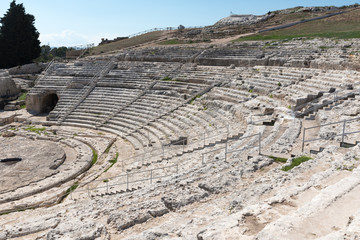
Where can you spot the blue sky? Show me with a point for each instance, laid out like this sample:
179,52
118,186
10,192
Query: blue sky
76,22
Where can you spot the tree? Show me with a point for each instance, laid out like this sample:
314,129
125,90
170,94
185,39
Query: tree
19,43
180,28
48,53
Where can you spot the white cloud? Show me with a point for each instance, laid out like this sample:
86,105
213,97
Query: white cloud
71,38
65,38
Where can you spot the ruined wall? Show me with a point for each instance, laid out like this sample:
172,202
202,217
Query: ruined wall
7,86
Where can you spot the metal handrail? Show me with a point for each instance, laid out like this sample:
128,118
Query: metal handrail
58,197
127,182
151,30
45,72
233,151
78,96
137,172
82,47
142,155
343,134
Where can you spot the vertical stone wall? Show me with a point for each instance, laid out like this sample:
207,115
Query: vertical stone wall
7,86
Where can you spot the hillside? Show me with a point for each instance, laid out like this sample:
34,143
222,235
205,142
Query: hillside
346,25
132,42
343,26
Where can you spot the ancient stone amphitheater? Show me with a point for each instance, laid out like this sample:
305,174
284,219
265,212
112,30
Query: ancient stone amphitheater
188,142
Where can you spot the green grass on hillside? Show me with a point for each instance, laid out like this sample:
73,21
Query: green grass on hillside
343,26
177,41
171,42
141,39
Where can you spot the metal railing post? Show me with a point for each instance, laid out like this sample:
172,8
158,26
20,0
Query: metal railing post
303,141
204,138
127,181
343,132
163,152
259,143
143,158
151,175
226,143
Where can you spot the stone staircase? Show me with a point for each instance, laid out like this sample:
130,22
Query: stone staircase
81,95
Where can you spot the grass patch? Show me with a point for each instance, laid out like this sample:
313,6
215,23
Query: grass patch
167,78
112,161
71,189
95,157
338,35
325,47
107,150
22,96
177,41
171,42
278,159
134,41
296,162
193,99
344,26
349,168
35,129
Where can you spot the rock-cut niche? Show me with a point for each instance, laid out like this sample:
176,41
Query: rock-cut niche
49,102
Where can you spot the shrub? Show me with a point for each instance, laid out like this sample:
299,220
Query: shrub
167,78
278,159
22,96
296,162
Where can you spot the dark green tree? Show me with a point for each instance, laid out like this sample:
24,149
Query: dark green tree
19,43
48,53
59,52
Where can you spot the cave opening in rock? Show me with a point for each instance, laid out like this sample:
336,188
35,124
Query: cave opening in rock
50,102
